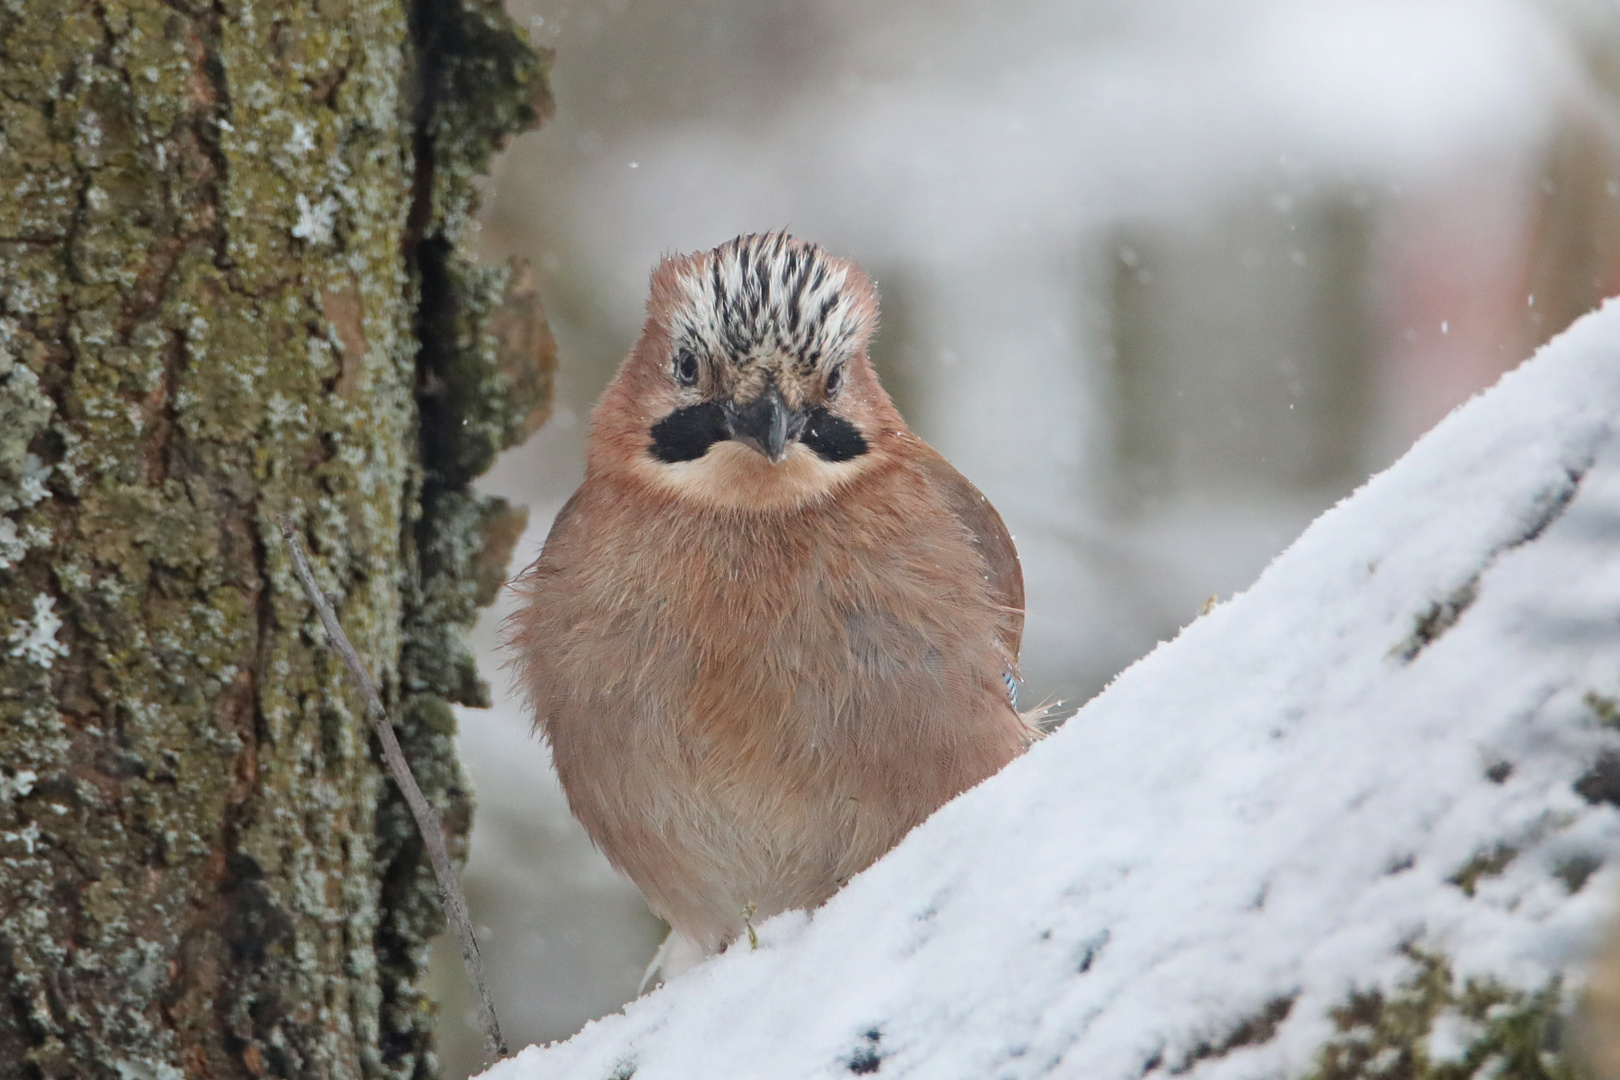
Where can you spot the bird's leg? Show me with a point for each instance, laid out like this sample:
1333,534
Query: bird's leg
675,956
748,924
655,966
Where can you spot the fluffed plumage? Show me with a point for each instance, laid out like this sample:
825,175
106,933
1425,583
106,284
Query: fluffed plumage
773,630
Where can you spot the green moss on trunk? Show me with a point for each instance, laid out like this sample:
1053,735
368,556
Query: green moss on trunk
1436,1026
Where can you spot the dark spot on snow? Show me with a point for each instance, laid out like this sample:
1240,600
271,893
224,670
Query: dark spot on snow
1431,625
1552,506
1361,1010
1573,870
866,1057
623,1071
1601,784
1401,864
1089,951
1498,772
1606,709
1252,1031
1441,616
931,909
1489,862
1260,1027
1153,1062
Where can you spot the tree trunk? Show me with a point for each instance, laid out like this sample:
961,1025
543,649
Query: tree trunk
230,289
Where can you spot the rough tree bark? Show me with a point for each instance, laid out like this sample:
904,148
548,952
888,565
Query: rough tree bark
230,288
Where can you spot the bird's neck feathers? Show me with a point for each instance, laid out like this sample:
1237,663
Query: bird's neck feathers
732,477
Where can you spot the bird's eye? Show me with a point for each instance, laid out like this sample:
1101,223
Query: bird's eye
686,368
835,379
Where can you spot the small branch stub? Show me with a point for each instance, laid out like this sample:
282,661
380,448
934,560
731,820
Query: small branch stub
427,818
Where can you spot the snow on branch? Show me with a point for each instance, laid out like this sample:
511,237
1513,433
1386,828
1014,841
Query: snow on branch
1359,821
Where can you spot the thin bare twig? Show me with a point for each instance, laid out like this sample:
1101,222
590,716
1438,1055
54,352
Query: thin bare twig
427,818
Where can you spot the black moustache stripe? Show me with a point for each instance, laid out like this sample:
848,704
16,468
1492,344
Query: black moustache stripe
687,433
831,436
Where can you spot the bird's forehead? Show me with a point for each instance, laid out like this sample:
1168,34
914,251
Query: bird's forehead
770,295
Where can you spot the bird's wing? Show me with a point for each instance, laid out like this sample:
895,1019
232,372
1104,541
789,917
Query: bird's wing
560,522
533,628
1005,576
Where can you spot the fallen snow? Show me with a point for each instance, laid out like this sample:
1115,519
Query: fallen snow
1269,806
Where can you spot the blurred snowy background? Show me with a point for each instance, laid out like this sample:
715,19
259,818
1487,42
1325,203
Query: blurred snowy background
1164,278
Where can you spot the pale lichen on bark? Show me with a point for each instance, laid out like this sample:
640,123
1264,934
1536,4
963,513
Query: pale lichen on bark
209,224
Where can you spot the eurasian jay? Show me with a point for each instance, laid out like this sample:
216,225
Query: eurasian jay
773,630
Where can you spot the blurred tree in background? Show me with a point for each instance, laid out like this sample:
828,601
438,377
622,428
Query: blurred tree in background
231,287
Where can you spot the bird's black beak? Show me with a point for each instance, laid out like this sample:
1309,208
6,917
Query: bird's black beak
766,424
